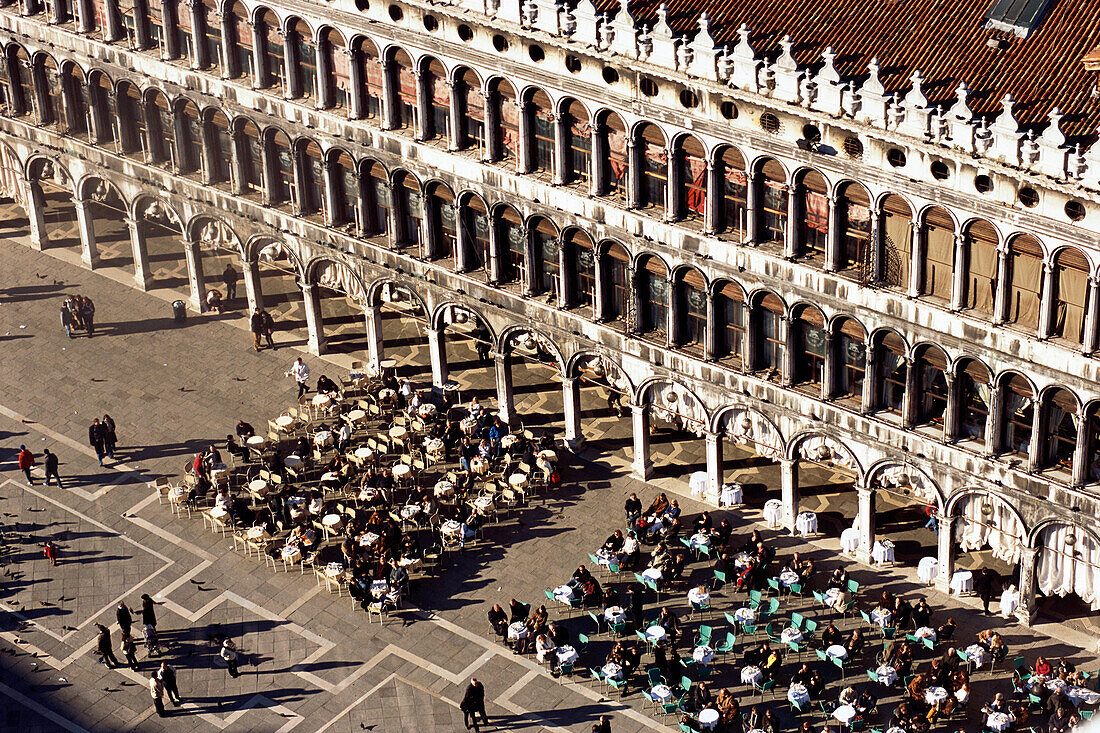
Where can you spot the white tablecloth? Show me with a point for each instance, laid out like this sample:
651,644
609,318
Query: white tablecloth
837,651
806,523
323,438
849,540
698,597
887,675
773,509
518,630
883,552
925,632
975,654
788,578
567,654
791,634
614,614
700,540
751,675
998,721
563,593
661,693
881,617
927,569
703,655
708,718
731,495
935,695
698,483
444,489
1010,600
745,615
653,574
1079,695
844,713
613,671
655,633
962,582
799,694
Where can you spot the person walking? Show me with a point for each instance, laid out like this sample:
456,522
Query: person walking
50,462
156,689
110,436
229,654
300,372
129,650
87,310
151,646
75,313
473,702
124,618
148,613
983,584
26,463
103,644
49,549
229,279
269,328
168,677
67,319
256,326
97,438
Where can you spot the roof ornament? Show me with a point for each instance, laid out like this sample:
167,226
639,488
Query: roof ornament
702,54
745,62
624,32
586,24
662,45
915,104
1006,134
960,120
1053,154
508,10
873,105
786,74
827,87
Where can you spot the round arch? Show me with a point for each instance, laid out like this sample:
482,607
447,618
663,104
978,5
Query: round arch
889,473
1043,524
335,274
153,208
375,289
213,232
268,248
951,506
673,398
820,447
745,425
509,340
452,312
575,367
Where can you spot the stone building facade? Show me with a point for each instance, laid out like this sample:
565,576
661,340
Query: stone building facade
763,233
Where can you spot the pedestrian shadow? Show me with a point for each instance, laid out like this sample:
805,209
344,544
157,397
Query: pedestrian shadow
166,450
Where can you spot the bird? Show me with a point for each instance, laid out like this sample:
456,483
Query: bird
40,277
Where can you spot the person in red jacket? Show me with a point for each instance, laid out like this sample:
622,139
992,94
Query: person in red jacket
26,462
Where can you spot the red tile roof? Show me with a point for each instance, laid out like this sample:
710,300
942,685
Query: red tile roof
944,39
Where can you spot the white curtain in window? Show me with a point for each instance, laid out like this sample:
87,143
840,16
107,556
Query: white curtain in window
753,429
673,403
822,449
338,277
1065,569
1001,531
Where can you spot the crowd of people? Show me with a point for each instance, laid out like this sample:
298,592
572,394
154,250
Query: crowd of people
78,314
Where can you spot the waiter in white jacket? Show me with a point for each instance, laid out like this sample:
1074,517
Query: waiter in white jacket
300,372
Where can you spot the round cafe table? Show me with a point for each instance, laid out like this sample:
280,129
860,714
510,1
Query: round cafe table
881,617
426,409
731,495
935,695
887,675
788,578
368,493
849,540
434,446
708,718
356,415
483,504
292,461
362,453
653,574
567,654
772,510
334,570
444,489
962,582
798,694
844,714
400,470
548,455
379,588
836,651
614,614
517,479
387,364
613,671
409,511
998,722
745,615
257,487
882,552
699,540
255,533
256,441
507,441
283,422
660,693
703,655
806,523
751,675
791,634
975,654
398,431
656,634
925,632
332,521
323,439
518,630
321,400
698,597
451,528
927,569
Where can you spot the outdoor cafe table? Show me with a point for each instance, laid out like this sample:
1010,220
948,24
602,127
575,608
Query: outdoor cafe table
444,489
257,487
426,409
698,597
772,510
517,479
332,521
368,539
401,469
836,651
548,454
660,693
745,615
927,568
883,552
935,695
564,594
483,504
323,439
788,578
283,422
975,654
806,523
925,632
844,714
703,654
614,614
708,718
887,675
292,461
567,654
379,588
656,634
881,617
398,431
518,630
742,560
751,675
998,722
355,415
362,453
790,634
256,441
653,574
798,694
613,671
849,540
451,528
962,582
368,493
321,400
700,540
731,495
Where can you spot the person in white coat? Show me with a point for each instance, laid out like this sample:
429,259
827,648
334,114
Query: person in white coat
300,372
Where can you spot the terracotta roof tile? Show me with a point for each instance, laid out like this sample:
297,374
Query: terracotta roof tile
944,39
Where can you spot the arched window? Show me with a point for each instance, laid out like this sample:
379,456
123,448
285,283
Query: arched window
578,142
974,400
1060,438
471,111
981,268
894,370
239,55
210,34
1071,287
730,310
444,241
312,195
439,100
851,356
541,129
580,269
1025,282
270,67
162,128
691,308
653,154
511,245
814,226
104,119
305,53
939,255
612,133
478,240
691,188
337,81
897,242
615,271
771,343
282,169
130,119
179,22
772,182
20,89
505,137
188,159
855,231
251,153
73,90
404,86
1018,405
370,71
346,198
1092,474
653,292
377,191
47,82
931,366
811,348
544,241
735,190
219,147
408,207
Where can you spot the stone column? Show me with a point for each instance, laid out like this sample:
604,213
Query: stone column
1046,301
84,22
674,181
1000,297
958,273
715,469
831,368
229,62
89,253
790,241
238,175
945,553
375,346
865,523
356,103
597,170
505,398
454,116
389,95
311,300
292,87
786,329
36,213
423,107
916,260
752,205
113,25
872,376
571,397
250,273
599,307
494,250
713,209
788,483
523,154
993,419
199,58
1038,435
323,73
641,466
1025,612
142,274
437,356
1080,452
951,412
329,169
193,256
911,401
260,78
710,344
560,149
673,321
832,239
268,170
1092,317
461,235
170,32
878,253
633,174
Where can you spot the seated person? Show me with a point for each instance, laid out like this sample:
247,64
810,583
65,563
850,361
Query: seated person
802,676
544,647
946,630
831,635
657,509
518,611
580,576
854,645
723,533
703,523
675,567
498,619
614,543
398,578
235,450
839,579
772,664
628,556
327,386
244,430
849,696
921,614
757,657
667,620
816,684
591,593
